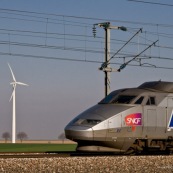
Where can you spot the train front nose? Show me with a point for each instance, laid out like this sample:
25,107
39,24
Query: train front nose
78,133
81,127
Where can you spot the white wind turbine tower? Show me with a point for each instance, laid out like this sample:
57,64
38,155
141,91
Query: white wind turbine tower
13,95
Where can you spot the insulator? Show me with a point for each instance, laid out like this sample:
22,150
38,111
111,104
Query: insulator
122,66
94,31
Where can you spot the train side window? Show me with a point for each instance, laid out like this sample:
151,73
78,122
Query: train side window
139,101
151,101
148,102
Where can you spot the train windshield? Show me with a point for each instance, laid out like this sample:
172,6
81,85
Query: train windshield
87,122
126,99
110,97
117,99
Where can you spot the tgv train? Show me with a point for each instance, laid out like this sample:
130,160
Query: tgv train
129,120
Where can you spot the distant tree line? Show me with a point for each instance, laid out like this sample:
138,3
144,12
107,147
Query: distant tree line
6,136
21,136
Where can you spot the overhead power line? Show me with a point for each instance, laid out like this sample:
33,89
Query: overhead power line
153,3
121,54
126,63
104,65
79,60
78,41
20,12
76,37
46,57
80,49
140,30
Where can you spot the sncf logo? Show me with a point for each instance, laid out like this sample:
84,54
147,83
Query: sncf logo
134,119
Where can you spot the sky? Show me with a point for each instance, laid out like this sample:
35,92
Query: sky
50,46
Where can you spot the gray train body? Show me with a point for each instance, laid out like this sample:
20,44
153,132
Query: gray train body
127,121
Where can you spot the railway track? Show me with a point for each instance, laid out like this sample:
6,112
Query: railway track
69,154
33,155
52,154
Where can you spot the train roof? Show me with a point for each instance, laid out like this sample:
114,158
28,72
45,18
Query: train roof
158,86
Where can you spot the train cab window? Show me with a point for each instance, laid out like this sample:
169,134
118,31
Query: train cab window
126,99
86,122
90,122
151,101
110,97
139,101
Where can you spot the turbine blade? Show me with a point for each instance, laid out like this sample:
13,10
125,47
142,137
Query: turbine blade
12,94
12,72
20,83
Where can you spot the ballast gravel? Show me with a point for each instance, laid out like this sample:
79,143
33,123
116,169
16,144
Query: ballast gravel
107,164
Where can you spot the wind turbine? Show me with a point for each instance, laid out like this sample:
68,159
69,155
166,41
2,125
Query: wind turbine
13,95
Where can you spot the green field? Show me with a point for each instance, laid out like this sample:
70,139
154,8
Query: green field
36,147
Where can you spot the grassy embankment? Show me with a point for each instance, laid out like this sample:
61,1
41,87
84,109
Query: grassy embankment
37,147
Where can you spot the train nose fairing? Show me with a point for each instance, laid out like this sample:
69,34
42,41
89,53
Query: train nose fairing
81,127
77,132
89,129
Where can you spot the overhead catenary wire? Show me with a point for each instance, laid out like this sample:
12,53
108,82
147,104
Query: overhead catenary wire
54,36
62,20
70,48
66,21
152,3
140,30
49,34
127,55
126,63
20,12
104,65
77,60
80,49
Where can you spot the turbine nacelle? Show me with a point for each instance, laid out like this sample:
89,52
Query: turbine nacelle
18,83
